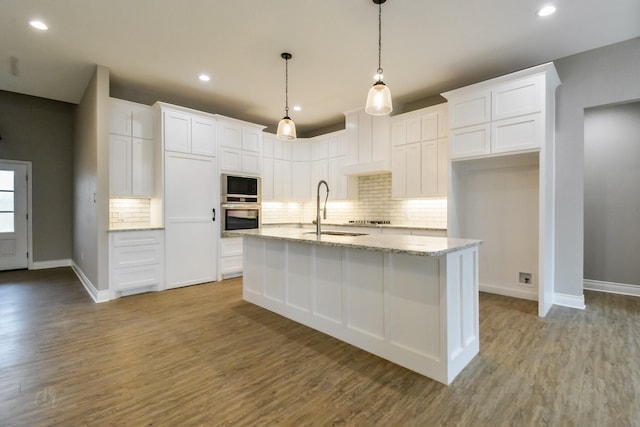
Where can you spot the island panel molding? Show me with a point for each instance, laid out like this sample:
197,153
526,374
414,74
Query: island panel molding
417,310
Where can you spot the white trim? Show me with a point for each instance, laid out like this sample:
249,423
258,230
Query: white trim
529,293
95,294
55,263
612,288
571,301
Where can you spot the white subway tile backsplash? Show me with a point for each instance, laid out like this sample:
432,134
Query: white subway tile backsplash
374,203
129,213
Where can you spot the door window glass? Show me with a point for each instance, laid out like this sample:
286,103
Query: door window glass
7,197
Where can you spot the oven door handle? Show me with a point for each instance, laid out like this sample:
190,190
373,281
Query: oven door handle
214,215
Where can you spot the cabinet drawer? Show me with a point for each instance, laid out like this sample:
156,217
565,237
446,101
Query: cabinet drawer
520,133
230,246
517,98
137,238
471,110
138,277
136,256
471,141
232,264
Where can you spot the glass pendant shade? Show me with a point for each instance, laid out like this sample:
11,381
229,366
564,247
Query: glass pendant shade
286,129
379,100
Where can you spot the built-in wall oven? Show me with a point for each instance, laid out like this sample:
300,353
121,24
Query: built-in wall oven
241,207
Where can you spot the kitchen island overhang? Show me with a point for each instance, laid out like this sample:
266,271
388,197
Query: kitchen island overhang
412,300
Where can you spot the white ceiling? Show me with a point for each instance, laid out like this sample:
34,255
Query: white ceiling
155,49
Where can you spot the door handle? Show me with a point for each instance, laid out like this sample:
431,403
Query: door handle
214,215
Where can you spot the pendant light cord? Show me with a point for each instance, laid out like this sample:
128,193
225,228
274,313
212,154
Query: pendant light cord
379,41
286,87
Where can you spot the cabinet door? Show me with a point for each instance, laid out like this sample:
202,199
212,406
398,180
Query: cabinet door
230,135
429,126
319,171
267,145
120,114
413,130
203,136
177,131
399,133
413,170
429,172
142,121
443,167
300,181
191,193
301,152
281,180
230,159
470,110
250,162
251,140
267,179
519,133
142,167
470,141
119,165
399,171
524,96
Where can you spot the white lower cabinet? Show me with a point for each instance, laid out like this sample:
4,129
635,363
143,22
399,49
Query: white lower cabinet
230,256
136,261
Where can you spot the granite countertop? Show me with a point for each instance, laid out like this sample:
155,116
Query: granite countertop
412,245
342,224
116,230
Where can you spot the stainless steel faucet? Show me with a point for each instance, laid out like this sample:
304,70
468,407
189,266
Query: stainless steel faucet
324,211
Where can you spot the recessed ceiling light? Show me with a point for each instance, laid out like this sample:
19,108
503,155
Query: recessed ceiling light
547,10
35,23
204,77
297,108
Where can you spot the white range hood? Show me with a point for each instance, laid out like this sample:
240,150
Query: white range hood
370,142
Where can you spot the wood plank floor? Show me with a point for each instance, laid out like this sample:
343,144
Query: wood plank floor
200,356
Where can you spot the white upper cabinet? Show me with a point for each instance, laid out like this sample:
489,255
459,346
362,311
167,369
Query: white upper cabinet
131,150
420,153
188,131
131,119
240,146
499,116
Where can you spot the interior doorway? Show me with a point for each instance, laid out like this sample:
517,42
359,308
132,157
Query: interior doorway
611,198
14,215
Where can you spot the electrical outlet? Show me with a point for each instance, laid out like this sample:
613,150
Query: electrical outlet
525,279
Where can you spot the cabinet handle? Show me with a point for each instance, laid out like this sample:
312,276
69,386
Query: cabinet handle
214,215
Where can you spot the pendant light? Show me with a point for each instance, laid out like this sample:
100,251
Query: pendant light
379,97
286,127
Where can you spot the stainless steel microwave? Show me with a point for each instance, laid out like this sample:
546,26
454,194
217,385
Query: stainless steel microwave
240,189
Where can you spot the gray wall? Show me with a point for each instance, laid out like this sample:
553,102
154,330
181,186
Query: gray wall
41,131
611,194
91,181
602,76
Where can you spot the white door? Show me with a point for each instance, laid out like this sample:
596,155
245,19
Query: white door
191,243
13,216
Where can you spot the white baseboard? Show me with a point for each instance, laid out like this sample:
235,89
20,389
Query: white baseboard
529,293
95,294
571,301
612,288
40,265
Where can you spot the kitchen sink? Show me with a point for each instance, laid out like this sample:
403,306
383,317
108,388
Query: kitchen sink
338,233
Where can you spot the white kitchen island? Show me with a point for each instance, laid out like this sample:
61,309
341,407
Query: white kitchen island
412,300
